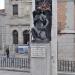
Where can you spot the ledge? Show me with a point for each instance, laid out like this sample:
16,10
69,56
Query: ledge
67,32
29,1
65,73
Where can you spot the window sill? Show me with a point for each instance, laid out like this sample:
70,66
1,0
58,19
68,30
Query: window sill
20,17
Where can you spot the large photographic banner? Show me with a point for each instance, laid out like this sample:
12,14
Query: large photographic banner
42,19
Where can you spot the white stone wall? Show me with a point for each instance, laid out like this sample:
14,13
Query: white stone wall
66,38
20,22
2,31
23,8
69,15
40,59
66,47
0,34
46,65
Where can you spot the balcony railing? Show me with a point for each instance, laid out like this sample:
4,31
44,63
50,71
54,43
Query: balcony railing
66,66
18,64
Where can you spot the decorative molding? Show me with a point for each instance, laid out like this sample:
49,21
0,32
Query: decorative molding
67,32
20,25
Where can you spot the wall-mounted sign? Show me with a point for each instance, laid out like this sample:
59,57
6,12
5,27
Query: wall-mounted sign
42,18
38,51
22,49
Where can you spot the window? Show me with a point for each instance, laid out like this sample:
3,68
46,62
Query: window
15,37
15,9
26,37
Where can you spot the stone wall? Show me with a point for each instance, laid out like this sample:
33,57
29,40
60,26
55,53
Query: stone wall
2,31
66,47
19,22
66,36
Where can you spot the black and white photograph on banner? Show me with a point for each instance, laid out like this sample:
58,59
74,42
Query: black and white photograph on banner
42,20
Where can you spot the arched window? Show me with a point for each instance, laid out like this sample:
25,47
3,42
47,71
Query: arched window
26,37
15,37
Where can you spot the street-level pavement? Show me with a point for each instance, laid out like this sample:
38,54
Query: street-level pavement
3,72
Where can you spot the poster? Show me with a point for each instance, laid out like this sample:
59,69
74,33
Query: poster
22,49
42,20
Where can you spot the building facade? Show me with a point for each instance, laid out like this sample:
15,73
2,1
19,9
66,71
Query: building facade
16,23
66,30
2,28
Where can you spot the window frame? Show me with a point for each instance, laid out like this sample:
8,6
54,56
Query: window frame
26,36
15,37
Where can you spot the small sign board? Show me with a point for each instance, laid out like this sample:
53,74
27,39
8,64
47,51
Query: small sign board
38,51
22,49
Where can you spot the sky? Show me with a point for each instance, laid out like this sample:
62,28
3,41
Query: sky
1,4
